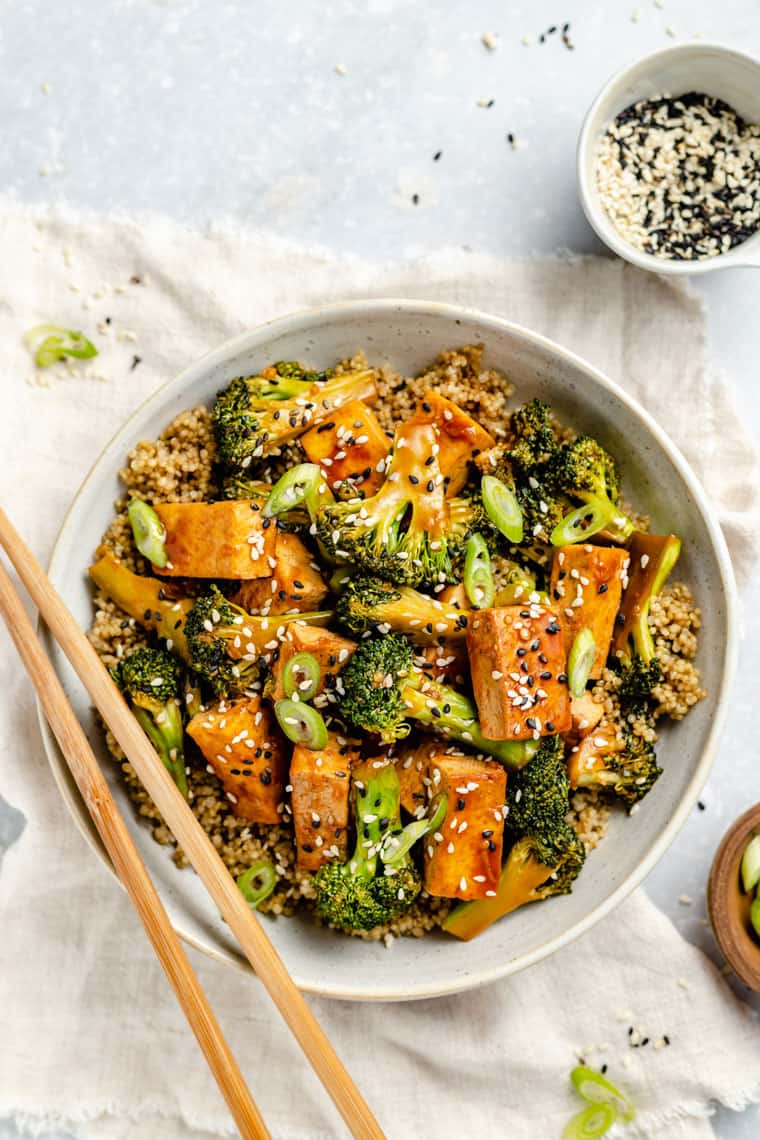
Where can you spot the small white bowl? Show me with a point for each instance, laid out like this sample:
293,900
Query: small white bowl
709,68
409,334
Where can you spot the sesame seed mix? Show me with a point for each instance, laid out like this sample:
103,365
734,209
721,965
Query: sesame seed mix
680,177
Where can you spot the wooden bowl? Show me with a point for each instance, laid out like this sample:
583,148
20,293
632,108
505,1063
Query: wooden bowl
728,904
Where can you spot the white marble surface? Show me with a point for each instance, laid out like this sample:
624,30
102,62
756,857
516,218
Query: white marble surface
207,110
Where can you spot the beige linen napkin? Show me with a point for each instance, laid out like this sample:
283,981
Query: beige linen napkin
91,1038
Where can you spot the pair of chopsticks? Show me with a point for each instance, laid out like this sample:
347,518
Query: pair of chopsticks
195,843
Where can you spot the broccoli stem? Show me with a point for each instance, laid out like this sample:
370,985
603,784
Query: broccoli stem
454,716
166,735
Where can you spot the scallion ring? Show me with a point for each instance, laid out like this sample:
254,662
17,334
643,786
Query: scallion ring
591,1122
581,662
596,1089
751,864
301,676
303,484
52,343
502,507
257,883
754,915
149,532
478,574
301,723
579,525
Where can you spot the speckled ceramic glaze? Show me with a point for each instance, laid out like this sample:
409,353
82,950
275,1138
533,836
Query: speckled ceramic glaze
408,334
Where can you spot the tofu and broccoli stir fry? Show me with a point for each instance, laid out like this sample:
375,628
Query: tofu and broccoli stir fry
400,642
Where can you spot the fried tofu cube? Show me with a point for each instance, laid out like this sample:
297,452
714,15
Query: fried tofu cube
215,540
348,447
461,438
331,651
446,663
320,801
412,766
586,714
465,862
295,583
245,748
518,668
586,586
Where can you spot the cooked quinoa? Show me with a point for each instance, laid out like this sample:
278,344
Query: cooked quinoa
180,467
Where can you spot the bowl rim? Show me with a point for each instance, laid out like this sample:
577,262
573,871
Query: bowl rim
300,321
736,258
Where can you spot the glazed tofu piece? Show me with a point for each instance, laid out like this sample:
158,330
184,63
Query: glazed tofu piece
463,859
349,447
518,667
295,584
246,750
320,801
330,649
586,586
412,766
586,714
461,438
216,540
446,663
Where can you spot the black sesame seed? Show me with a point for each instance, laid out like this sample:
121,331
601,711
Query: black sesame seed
461,805
603,588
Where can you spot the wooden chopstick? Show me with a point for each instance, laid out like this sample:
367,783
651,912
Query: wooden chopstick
193,839
129,866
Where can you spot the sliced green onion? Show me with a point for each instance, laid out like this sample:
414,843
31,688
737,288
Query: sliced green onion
580,524
304,484
301,675
478,574
751,864
51,344
301,723
754,916
149,532
591,1122
580,662
396,846
596,1089
264,876
502,507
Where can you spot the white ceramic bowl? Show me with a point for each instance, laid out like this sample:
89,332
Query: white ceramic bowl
709,68
408,334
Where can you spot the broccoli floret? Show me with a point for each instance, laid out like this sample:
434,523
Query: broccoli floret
534,443
368,603
253,416
228,646
541,505
240,486
379,882
373,683
400,532
534,870
583,470
383,688
637,679
151,680
630,773
537,796
468,516
219,650
565,854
